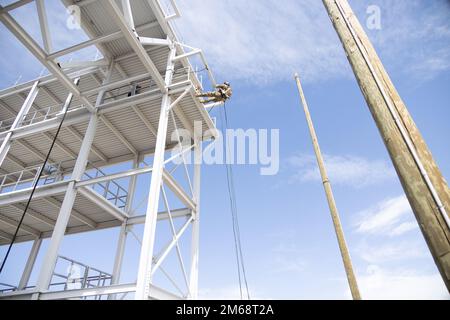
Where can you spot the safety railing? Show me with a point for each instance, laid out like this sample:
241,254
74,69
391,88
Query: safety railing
73,275
35,117
26,178
6,288
181,75
41,115
111,190
5,125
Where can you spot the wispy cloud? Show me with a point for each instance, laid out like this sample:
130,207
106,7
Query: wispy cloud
348,170
397,260
263,41
401,283
390,217
392,252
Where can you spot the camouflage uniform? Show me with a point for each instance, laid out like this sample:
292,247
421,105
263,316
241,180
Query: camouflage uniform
223,92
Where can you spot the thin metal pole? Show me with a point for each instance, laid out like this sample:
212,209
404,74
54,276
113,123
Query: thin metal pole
30,264
330,198
120,251
195,245
28,103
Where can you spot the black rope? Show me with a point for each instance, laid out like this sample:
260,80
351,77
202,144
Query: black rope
235,219
41,171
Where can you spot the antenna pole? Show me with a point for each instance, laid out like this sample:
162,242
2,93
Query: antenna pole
330,198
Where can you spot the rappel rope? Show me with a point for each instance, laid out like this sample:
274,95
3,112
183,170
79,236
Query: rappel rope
242,275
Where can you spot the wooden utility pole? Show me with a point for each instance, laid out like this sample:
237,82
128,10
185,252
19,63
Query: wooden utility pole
330,198
422,181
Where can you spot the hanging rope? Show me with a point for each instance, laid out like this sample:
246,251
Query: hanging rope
242,275
41,171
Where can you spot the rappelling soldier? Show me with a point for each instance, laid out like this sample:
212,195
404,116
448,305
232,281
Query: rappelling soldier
222,93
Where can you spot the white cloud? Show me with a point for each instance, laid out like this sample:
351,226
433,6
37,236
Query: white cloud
343,170
395,269
387,217
263,41
403,228
392,252
403,284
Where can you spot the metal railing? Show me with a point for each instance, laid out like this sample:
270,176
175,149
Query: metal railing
71,275
41,115
110,190
5,288
180,75
35,116
5,125
26,178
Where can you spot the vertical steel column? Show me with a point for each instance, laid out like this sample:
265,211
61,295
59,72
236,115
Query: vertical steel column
193,284
120,251
30,264
59,230
145,263
28,103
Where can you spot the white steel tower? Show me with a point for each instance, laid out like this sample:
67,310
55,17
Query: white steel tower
126,107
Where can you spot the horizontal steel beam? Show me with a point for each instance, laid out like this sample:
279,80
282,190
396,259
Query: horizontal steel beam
14,5
103,203
81,293
178,190
41,192
116,176
156,293
177,213
136,220
105,38
41,55
154,41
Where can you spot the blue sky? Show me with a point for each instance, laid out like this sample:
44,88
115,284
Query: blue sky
288,239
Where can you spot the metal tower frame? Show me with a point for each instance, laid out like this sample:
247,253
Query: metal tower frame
122,108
